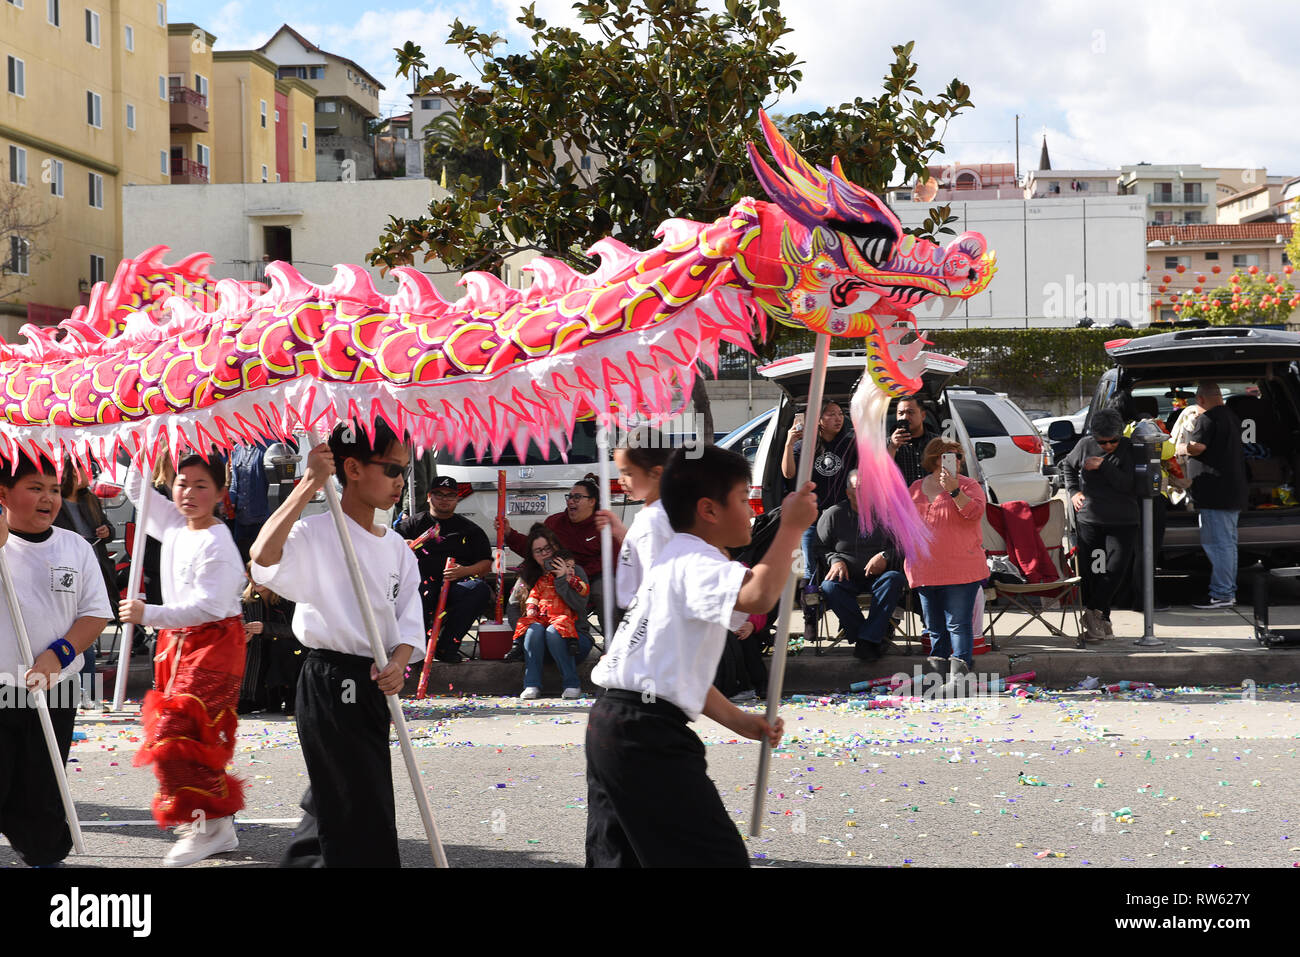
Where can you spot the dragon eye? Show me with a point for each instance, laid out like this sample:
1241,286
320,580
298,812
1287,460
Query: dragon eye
875,250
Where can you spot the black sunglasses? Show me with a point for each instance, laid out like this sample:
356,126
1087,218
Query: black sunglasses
390,469
1114,441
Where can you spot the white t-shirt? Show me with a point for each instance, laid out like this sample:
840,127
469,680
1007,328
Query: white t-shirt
671,637
649,533
312,573
202,573
57,581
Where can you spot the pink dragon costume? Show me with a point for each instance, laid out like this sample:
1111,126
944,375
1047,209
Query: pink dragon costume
166,353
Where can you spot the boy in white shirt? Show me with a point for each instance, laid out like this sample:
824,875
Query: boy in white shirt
343,720
650,800
64,606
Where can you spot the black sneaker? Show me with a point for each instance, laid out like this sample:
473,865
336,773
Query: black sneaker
571,644
516,652
450,656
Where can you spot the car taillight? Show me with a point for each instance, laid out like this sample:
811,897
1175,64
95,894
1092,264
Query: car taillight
616,494
756,499
104,490
1030,443
464,490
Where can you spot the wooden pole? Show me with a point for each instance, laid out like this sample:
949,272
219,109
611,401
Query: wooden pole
134,579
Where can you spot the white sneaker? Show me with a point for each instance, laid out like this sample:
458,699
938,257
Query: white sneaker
741,697
217,836
530,693
571,693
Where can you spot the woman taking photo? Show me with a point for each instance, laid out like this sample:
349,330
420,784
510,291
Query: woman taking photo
949,578
548,600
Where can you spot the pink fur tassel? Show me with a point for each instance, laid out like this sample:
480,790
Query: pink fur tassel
883,498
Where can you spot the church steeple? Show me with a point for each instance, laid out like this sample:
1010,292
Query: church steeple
1044,161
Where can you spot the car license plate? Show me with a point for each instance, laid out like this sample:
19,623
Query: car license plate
526,504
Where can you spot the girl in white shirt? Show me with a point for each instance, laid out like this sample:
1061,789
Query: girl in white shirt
640,465
189,718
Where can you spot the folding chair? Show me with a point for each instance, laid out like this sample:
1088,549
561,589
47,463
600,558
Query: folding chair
1049,520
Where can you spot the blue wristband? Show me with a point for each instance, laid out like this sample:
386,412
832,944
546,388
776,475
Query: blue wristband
64,650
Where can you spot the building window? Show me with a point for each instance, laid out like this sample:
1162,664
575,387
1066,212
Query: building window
56,178
586,162
304,136
431,104
16,3
1244,260
94,115
17,76
130,116
202,154
327,106
201,86
265,176
263,102
52,12
129,38
162,14
19,252
96,190
1212,257
92,28
163,166
1191,218
317,72
17,165
277,117
1173,262
277,177
96,269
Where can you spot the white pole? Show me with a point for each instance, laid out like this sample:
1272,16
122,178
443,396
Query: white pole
807,453
381,661
134,579
42,709
606,538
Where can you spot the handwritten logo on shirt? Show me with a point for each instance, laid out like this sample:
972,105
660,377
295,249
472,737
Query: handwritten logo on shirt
63,579
394,582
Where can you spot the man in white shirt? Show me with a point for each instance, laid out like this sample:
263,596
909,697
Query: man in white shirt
650,800
343,720
64,607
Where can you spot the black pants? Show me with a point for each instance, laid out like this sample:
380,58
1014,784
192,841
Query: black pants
343,720
650,802
31,811
467,601
1105,557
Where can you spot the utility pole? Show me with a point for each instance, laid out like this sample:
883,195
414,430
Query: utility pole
1017,149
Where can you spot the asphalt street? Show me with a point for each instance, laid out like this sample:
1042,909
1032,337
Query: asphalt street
1187,779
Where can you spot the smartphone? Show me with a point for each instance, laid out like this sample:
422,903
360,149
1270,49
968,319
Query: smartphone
949,461
798,421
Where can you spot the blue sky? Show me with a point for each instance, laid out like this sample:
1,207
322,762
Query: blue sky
1109,81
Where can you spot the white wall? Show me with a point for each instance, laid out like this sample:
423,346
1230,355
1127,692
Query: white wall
330,223
1048,275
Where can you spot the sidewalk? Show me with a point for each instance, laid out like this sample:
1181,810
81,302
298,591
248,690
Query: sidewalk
1201,648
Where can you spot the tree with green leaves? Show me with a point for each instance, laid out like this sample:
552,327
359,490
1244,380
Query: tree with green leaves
1245,301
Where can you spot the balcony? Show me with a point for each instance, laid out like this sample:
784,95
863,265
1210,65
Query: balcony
187,172
189,110
1177,199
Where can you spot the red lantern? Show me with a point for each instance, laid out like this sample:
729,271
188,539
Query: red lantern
1148,267
1214,303
1288,269
1270,279
1253,270
1234,278
1163,288
1196,289
1177,308
1215,269
1246,303
1200,277
1279,289
1182,268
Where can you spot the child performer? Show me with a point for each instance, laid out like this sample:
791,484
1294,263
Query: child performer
189,717
640,468
650,800
349,816
58,585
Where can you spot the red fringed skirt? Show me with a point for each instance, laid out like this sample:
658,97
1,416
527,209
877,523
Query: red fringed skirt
190,721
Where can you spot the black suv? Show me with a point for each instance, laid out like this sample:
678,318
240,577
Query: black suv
1258,371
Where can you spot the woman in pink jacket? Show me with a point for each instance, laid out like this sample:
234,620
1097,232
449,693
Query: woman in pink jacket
949,579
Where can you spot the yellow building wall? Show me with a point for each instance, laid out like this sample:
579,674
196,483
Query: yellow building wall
244,146
302,160
50,123
189,52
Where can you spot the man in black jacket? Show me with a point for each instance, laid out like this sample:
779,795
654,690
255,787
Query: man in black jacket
1216,465
1101,479
440,534
858,564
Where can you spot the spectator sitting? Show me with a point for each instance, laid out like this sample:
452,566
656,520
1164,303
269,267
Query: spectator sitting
549,598
908,442
1101,479
275,661
435,536
577,532
1217,469
948,578
858,564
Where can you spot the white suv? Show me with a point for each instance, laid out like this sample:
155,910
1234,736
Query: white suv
1003,449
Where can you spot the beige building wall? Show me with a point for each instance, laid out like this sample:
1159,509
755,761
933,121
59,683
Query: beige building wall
50,120
302,114
244,112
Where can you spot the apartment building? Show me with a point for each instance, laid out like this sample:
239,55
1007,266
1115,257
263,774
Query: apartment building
1176,194
84,110
1206,256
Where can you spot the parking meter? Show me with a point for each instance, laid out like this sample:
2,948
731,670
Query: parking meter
280,462
1148,442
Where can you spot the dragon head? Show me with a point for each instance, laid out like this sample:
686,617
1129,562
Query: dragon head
851,270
